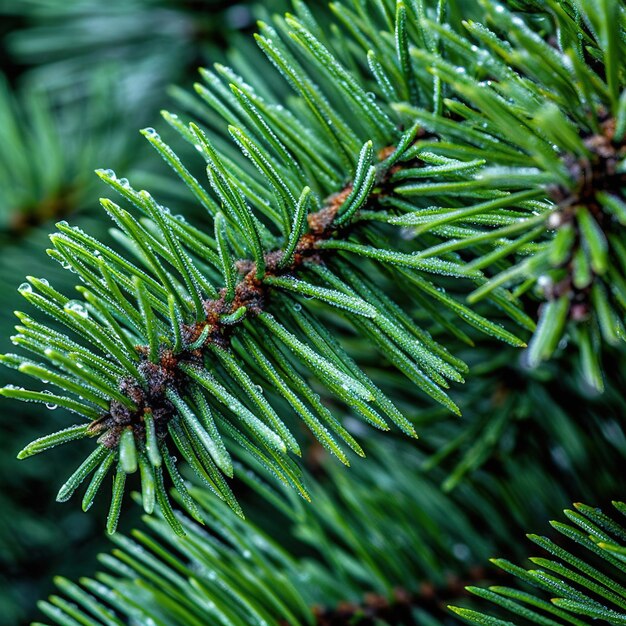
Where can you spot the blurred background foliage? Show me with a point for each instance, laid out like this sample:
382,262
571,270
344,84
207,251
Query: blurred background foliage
78,79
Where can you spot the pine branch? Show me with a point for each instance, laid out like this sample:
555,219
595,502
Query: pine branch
201,339
51,143
556,127
240,573
160,352
357,555
584,581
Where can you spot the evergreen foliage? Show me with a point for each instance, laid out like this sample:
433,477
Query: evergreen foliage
58,124
235,572
562,110
391,206
367,556
357,556
50,143
181,355
145,45
581,588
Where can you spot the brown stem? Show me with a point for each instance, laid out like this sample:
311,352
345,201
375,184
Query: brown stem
251,292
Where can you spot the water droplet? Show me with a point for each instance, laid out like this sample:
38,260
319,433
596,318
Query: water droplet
43,281
150,131
297,307
109,174
371,95
74,306
499,9
124,182
25,288
544,282
555,220
51,406
246,554
259,388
